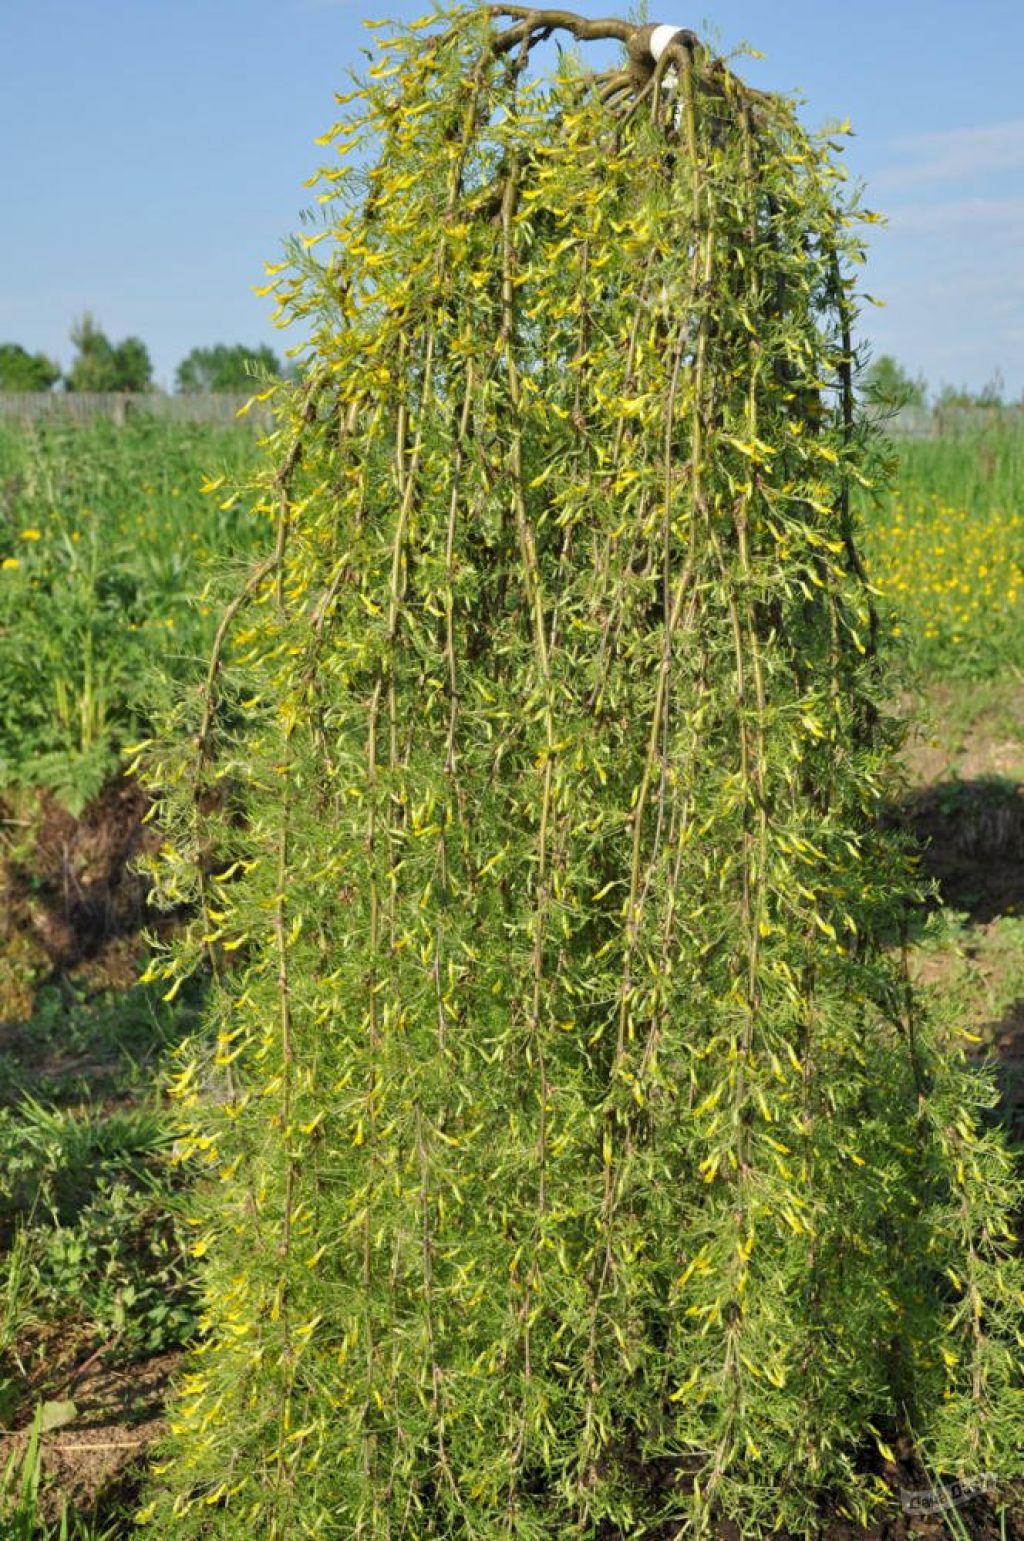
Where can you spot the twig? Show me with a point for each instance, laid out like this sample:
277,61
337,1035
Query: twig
106,1444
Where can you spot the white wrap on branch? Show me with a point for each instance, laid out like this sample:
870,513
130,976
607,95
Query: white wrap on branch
661,37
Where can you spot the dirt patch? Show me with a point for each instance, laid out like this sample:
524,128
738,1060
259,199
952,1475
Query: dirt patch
95,1460
69,897
965,732
971,838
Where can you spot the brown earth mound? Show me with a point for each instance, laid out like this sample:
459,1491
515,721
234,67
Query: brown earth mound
971,837
68,893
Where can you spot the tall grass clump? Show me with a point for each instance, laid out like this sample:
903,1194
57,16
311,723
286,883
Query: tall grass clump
579,1161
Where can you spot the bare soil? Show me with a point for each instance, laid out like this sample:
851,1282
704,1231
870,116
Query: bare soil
69,880
94,1461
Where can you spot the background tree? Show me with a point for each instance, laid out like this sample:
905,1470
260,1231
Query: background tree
100,365
954,396
991,394
228,367
24,371
886,382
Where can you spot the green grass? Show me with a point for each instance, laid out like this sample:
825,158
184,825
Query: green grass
95,1245
106,539
90,1217
983,469
946,547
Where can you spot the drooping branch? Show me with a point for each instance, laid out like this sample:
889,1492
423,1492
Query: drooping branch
651,48
643,48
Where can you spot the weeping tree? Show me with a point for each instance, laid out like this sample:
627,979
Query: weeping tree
578,1159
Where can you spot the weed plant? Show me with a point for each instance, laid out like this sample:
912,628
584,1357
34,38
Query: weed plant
103,537
95,1241
581,1161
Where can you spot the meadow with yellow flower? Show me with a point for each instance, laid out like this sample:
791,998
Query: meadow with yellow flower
945,548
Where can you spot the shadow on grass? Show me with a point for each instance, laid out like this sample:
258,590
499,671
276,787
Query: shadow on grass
1006,1035
81,1045
971,838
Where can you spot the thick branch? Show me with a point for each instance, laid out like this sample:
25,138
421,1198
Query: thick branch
648,56
587,29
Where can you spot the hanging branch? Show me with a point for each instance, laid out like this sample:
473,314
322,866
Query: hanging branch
575,1097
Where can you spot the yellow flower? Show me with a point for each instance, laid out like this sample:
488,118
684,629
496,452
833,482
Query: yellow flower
9,562
30,535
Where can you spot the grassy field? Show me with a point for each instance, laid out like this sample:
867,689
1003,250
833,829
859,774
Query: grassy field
946,547
105,536
107,543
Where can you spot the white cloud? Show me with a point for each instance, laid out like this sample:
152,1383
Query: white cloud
1002,216
956,155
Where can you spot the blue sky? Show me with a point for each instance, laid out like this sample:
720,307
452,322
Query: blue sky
154,154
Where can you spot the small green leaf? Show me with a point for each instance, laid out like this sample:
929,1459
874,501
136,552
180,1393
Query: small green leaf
54,1415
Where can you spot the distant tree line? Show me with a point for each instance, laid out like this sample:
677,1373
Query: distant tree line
101,365
886,383
231,368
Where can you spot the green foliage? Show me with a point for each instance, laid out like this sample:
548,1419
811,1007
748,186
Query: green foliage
991,395
581,1160
24,371
226,368
96,1247
91,1213
102,536
886,383
100,365
104,1244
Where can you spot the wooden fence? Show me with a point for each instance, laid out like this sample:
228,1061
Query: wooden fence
89,406
952,422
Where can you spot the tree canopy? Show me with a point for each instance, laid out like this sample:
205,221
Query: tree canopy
24,371
225,367
577,1156
887,383
100,365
